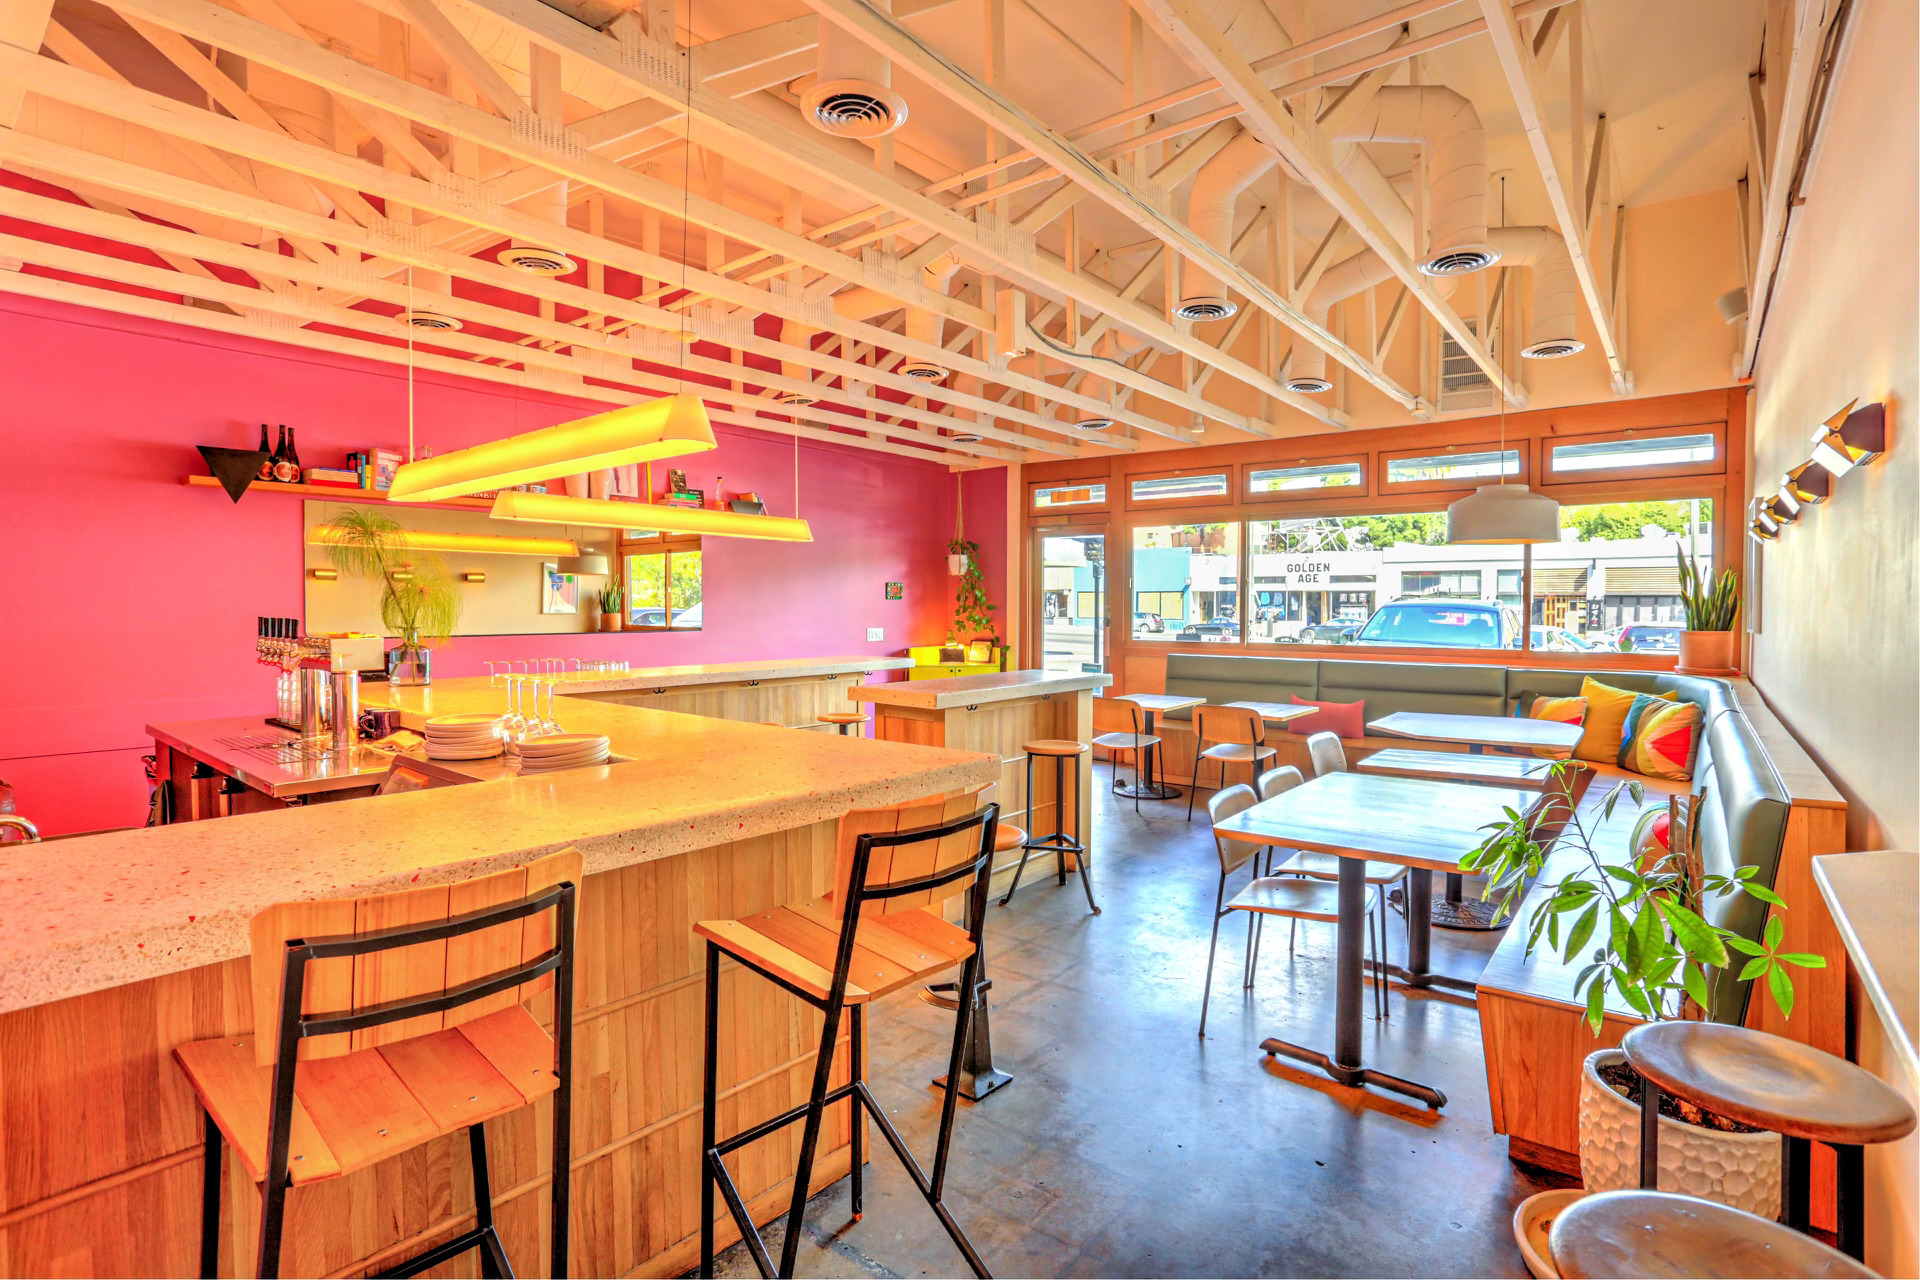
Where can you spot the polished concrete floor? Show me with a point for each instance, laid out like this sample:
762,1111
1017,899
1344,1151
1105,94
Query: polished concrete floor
1127,1146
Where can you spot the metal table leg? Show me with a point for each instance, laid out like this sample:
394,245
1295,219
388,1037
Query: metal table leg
1345,1065
978,1076
1150,787
1456,911
1420,919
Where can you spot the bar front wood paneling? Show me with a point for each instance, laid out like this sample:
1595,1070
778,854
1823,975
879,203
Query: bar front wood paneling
100,1137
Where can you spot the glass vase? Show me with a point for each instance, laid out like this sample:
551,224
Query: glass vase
410,663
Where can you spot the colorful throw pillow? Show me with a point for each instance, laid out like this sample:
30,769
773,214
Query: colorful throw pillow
1659,738
1559,710
1347,719
1606,720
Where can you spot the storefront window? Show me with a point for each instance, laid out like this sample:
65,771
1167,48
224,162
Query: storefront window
1186,488
664,588
1327,475
1083,495
1186,583
1480,465
1616,455
1613,583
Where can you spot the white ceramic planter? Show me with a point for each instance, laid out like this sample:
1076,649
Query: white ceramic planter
1738,1169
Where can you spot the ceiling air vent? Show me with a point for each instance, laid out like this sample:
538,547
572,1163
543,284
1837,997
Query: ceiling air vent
1093,424
1308,386
798,398
537,260
1554,348
1463,383
1205,308
854,108
429,320
966,438
1458,261
925,370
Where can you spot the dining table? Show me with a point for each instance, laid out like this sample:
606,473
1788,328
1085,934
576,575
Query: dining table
1152,705
1421,824
1455,910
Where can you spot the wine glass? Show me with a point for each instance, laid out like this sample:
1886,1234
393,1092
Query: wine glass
513,725
552,725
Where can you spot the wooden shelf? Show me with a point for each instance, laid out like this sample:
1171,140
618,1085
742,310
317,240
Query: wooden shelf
331,493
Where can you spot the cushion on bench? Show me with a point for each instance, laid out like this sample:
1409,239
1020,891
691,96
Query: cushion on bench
1238,679
1743,823
1387,687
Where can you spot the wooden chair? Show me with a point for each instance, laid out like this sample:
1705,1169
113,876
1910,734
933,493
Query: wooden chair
1292,898
385,1022
1657,1233
1804,1094
1117,724
1326,753
1238,735
893,868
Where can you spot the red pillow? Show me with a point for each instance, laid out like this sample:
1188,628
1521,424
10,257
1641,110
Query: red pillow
1347,719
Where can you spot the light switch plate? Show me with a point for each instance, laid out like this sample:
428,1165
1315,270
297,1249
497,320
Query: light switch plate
876,633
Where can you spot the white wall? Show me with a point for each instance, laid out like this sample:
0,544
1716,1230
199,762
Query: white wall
1840,616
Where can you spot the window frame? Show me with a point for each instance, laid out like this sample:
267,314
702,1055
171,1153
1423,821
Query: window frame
1174,502
1385,459
1361,490
1100,506
1714,466
669,545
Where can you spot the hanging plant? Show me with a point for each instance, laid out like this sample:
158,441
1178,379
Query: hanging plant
972,611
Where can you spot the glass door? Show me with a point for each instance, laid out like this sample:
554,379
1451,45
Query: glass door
1075,630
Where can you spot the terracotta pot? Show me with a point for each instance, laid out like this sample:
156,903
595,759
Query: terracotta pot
1740,1169
610,622
1709,650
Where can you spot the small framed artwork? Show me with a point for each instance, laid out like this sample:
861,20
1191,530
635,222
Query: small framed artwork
896,591
559,592
979,652
676,479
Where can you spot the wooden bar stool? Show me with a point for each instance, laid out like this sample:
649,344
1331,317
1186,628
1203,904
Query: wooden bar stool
422,1031
878,931
1061,842
1619,1234
1119,724
1238,735
845,719
1804,1094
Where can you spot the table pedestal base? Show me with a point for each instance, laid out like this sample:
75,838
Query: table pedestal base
1145,790
979,1078
1457,911
1355,1075
1445,982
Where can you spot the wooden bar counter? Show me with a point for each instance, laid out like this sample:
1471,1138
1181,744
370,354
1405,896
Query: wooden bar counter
115,948
996,714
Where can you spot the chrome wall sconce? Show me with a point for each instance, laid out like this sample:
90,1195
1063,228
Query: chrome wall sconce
1809,483
1851,438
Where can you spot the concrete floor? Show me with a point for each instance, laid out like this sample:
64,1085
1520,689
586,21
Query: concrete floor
1127,1146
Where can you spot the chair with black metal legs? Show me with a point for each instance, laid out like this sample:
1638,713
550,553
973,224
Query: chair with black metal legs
1118,724
424,1032
1062,843
893,867
1238,736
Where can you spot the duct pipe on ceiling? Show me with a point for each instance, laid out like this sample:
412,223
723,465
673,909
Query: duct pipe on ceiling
530,256
1308,372
1445,124
930,326
1210,213
426,286
795,334
853,95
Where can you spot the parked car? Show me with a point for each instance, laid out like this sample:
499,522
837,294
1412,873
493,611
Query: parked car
1330,633
1443,624
647,618
1218,632
1561,640
1144,623
689,616
1645,638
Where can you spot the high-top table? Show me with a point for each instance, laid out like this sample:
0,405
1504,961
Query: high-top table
1428,826
1476,733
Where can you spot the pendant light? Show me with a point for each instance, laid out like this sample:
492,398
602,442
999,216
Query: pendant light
1502,512
552,508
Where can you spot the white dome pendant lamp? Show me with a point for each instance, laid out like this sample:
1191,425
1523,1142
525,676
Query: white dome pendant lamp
1502,512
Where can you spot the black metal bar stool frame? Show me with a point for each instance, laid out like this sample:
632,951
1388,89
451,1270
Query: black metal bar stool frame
1061,842
855,1093
1796,1176
296,1026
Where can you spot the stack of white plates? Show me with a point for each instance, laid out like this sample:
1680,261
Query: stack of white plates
562,751
469,737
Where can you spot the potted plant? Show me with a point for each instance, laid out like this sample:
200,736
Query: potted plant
419,603
972,611
1708,644
1640,926
613,598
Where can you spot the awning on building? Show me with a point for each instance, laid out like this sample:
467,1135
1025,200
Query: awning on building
1650,580
1560,582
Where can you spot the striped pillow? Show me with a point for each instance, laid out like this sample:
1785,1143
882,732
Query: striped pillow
1560,710
1659,738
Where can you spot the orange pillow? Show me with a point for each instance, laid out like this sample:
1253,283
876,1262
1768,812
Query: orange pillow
1606,721
1348,719
1571,711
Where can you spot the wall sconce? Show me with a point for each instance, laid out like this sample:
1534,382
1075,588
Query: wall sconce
323,575
1783,509
1764,527
1851,438
1809,483
473,577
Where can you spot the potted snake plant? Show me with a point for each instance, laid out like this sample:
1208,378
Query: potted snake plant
613,599
1708,646
1639,928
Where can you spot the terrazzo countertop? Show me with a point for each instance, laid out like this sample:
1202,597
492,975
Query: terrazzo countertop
646,679
106,910
972,691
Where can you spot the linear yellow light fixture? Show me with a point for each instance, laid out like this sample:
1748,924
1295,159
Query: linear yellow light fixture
478,543
549,508
665,428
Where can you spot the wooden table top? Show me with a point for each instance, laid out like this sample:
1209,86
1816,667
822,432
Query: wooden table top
1162,701
1276,712
1417,823
1458,766
1486,731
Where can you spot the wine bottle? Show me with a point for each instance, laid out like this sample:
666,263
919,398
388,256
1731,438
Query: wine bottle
293,457
266,456
282,463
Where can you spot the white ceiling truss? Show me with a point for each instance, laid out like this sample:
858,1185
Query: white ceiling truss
310,171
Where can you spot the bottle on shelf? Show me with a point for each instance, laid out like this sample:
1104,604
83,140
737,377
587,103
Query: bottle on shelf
293,458
266,458
283,468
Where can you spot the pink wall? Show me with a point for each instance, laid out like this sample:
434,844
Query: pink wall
132,598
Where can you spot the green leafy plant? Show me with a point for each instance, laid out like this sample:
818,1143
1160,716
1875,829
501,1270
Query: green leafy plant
419,603
972,611
1708,609
1641,924
612,596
